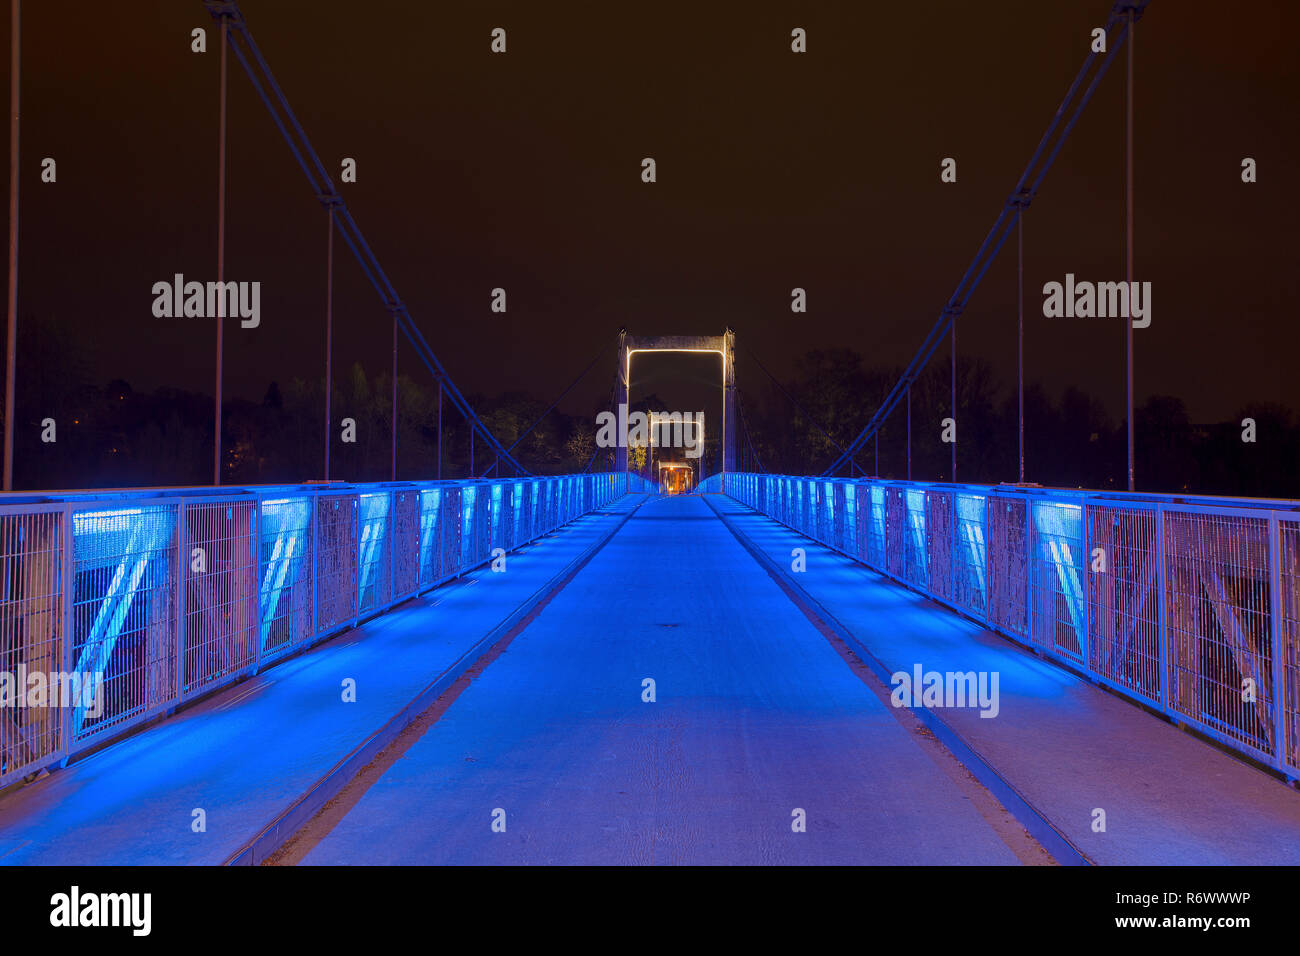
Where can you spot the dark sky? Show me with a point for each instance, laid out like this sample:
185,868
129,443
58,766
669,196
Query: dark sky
775,170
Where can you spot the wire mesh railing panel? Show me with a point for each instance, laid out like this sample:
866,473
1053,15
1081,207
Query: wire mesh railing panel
1057,612
1123,597
940,541
862,521
1007,546
31,641
847,530
522,501
286,578
822,505
476,503
405,542
123,611
430,537
336,561
483,522
970,554
876,528
896,532
1289,604
451,525
469,496
804,510
496,517
544,507
374,551
916,570
1218,623
221,596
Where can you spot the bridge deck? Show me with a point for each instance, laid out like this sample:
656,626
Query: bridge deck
757,714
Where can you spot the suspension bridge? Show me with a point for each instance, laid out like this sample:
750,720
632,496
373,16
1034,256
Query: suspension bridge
513,668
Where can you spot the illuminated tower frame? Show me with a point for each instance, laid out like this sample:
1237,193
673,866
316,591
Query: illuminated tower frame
723,345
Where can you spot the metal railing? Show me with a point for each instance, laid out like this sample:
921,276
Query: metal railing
117,606
1189,605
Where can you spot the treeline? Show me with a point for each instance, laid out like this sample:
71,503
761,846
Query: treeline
1070,442
113,436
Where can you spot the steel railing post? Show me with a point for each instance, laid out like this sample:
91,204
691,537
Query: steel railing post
1276,640
1029,567
68,572
255,569
313,499
1085,639
1161,579
181,565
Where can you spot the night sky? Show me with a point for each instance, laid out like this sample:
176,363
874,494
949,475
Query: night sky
775,170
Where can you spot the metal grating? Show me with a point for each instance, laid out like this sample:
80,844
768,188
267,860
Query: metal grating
31,639
940,541
876,528
970,554
1006,563
450,522
849,525
220,596
285,575
1123,597
374,551
521,527
1218,621
499,517
123,608
336,561
916,570
1056,619
1289,574
405,543
430,537
469,526
896,533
